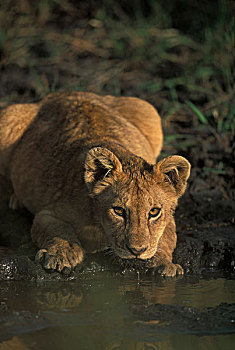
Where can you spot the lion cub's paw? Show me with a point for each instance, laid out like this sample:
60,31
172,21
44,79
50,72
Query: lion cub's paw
167,269
170,270
60,257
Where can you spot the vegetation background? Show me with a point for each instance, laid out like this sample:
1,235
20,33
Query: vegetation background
177,54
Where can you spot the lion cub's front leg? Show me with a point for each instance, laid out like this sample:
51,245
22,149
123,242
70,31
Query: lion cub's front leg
161,262
164,266
59,246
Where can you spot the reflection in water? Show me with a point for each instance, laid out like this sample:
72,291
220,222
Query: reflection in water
96,312
61,300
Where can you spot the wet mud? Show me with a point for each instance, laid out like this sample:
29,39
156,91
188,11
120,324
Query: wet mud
156,318
206,236
14,323
185,319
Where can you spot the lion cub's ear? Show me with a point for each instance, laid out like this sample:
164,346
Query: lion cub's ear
175,171
101,165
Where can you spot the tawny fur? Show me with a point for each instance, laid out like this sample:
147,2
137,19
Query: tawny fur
73,158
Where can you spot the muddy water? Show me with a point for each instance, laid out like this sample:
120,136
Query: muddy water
101,310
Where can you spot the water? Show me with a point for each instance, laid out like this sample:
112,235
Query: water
101,310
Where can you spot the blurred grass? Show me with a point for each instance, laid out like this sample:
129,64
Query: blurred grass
177,54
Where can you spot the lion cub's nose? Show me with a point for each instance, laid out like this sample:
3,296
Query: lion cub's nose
136,251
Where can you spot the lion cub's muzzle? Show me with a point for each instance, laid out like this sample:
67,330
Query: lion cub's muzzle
134,252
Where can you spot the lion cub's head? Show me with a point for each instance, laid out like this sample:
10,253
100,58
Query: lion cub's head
134,200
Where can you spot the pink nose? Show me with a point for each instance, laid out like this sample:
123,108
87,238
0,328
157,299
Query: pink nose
136,251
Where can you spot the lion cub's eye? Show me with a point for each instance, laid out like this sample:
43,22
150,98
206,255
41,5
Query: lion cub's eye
155,213
119,211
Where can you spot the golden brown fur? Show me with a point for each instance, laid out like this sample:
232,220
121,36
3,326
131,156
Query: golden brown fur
84,165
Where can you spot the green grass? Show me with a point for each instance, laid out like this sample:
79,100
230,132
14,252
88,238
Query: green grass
201,117
200,66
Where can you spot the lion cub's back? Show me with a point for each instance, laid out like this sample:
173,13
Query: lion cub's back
136,111
14,120
142,115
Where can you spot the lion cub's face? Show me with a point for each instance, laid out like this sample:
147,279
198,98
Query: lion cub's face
133,202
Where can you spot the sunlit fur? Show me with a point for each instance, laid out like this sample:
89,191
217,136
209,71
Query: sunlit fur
137,190
72,157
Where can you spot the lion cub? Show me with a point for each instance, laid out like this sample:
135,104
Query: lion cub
84,165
